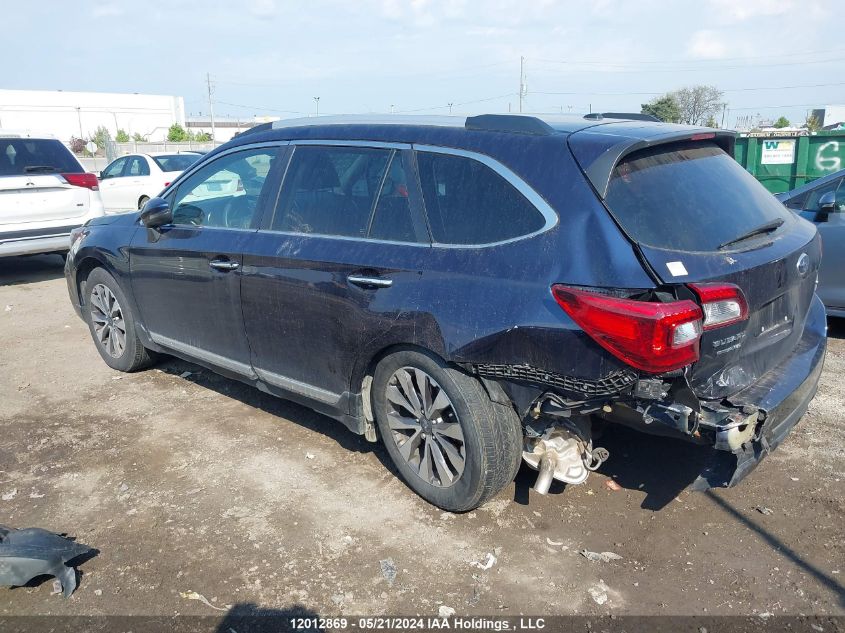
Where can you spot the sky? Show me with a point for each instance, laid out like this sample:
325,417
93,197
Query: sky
272,57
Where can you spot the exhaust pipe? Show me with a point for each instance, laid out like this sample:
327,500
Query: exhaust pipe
548,464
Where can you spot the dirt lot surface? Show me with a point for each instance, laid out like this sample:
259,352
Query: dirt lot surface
194,483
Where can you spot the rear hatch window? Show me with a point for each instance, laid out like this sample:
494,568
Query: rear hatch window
689,197
24,156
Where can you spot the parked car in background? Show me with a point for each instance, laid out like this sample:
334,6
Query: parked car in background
477,291
44,194
129,181
822,202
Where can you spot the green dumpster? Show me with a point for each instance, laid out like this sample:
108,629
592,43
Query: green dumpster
785,161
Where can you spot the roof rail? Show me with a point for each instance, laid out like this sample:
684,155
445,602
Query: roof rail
631,116
518,123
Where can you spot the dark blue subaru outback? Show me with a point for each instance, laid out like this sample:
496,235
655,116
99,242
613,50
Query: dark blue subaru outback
478,291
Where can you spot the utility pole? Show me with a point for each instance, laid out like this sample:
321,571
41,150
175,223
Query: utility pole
79,116
522,89
316,106
450,107
210,105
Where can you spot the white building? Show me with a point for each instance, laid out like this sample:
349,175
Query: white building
67,114
225,128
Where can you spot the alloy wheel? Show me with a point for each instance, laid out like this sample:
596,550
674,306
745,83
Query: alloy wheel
107,318
425,427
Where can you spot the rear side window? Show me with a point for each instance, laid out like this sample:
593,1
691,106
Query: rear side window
21,156
688,197
175,162
331,190
469,203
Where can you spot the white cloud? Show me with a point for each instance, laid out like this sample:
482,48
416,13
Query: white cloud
263,8
108,10
707,44
740,10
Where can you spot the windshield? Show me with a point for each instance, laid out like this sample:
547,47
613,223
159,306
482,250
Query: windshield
688,197
176,162
27,156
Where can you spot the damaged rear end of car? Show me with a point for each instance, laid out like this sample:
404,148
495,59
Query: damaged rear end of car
724,347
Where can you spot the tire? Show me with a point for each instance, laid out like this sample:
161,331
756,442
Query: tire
142,202
458,474
124,353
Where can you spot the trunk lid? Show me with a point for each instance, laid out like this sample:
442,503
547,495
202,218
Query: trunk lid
696,216
40,198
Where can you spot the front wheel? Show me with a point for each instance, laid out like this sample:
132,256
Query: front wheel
451,444
112,324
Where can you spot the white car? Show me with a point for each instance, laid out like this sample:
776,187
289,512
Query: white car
44,194
129,181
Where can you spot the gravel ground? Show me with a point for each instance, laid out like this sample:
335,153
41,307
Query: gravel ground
191,485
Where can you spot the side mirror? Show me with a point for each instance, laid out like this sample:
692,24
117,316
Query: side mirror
827,202
156,213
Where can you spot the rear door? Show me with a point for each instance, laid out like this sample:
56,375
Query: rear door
323,279
32,188
831,227
186,277
697,216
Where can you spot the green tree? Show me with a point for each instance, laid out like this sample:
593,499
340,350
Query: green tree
101,137
177,133
664,108
782,122
138,138
122,136
712,122
202,137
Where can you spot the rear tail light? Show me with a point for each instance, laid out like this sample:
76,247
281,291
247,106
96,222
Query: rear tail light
723,304
653,337
89,181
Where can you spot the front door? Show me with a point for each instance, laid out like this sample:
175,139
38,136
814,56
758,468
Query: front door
330,274
186,276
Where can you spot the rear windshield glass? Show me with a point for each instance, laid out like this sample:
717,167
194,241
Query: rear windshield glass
688,197
24,156
176,162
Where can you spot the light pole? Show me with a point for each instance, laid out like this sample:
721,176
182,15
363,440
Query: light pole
316,106
450,107
79,116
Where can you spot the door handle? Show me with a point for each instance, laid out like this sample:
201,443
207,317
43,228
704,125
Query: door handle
369,282
223,264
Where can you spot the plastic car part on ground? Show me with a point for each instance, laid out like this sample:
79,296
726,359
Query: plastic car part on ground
31,552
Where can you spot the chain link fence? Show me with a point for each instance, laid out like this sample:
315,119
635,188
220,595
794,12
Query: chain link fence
115,149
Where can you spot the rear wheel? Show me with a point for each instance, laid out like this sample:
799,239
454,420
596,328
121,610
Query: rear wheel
452,445
142,202
112,324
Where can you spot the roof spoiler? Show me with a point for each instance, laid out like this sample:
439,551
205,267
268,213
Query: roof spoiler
604,151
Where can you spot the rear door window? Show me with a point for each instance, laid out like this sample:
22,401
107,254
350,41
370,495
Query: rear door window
24,156
331,190
468,203
392,217
138,166
688,197
176,162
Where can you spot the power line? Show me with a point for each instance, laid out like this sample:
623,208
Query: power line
628,68
633,94
696,61
463,103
